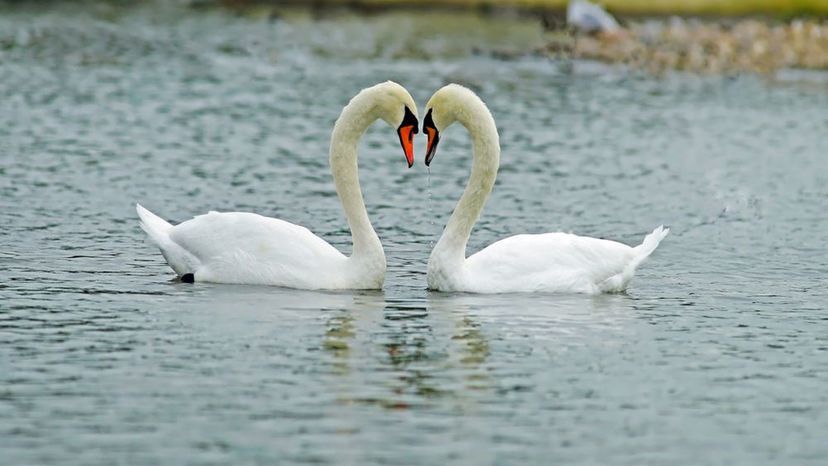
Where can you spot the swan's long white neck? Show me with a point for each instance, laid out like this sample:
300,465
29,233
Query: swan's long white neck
473,114
355,118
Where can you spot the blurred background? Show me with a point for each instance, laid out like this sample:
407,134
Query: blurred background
707,116
697,35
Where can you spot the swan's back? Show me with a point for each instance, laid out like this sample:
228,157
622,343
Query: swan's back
213,234
240,247
555,262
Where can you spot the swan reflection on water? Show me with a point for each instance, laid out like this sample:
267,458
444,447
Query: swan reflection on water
367,348
406,354
420,351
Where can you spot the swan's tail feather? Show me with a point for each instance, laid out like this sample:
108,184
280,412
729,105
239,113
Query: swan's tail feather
158,230
649,245
156,227
618,283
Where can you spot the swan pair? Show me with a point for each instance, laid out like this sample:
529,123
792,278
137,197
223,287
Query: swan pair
246,248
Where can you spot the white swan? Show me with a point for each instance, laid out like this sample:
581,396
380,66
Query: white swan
550,262
237,247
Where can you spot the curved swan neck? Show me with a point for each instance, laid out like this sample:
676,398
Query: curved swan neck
355,118
478,121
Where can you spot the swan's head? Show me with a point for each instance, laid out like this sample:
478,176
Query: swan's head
449,104
396,107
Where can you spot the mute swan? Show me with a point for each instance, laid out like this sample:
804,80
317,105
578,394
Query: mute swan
246,248
550,262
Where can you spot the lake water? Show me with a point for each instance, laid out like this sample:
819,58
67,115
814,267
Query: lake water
718,353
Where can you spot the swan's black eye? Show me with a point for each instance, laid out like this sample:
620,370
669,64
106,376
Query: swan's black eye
410,120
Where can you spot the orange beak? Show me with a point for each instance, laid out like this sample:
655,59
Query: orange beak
406,131
407,142
431,147
433,137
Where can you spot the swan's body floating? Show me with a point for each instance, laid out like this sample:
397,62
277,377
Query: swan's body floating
237,247
551,262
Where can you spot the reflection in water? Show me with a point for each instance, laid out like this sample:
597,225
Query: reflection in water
472,347
421,349
401,354
341,327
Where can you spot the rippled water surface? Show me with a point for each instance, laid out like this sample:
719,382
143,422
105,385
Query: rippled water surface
718,354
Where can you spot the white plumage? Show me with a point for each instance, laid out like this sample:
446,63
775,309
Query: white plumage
550,262
246,248
241,247
554,262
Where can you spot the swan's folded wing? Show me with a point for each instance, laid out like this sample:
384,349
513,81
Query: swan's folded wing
552,261
242,237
